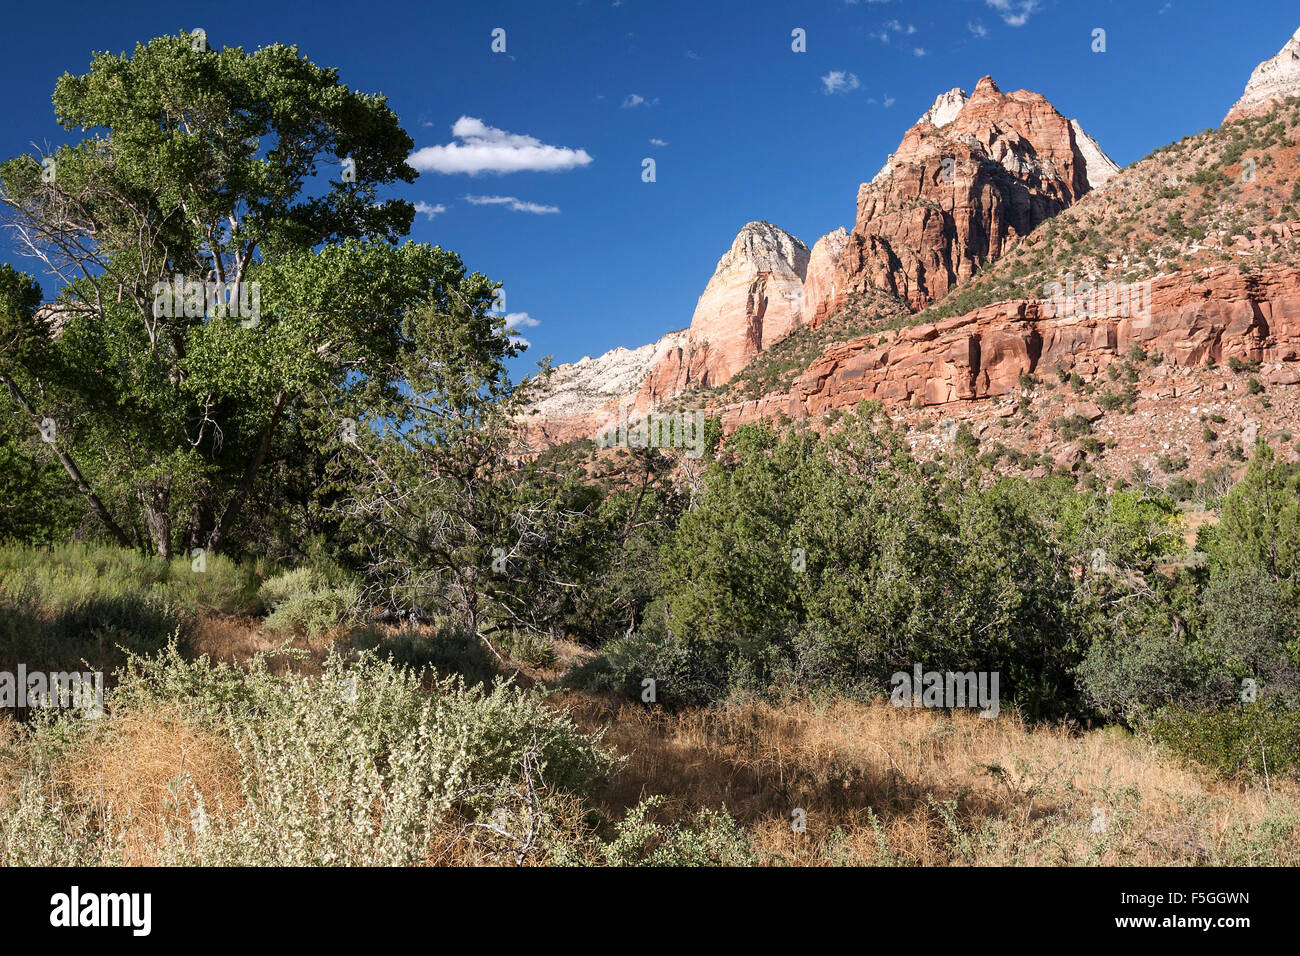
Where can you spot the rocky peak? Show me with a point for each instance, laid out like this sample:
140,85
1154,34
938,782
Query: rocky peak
972,176
943,111
763,247
1272,81
753,301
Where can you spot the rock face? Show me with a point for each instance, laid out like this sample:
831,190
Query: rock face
583,395
1214,314
971,177
974,174
753,301
1273,80
819,285
1097,165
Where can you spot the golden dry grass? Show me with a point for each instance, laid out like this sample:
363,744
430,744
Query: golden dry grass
140,773
876,783
236,640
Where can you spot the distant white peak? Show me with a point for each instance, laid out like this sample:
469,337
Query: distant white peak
1097,166
942,111
765,248
583,387
1274,79
945,108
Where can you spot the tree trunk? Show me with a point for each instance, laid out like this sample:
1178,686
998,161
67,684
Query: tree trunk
157,518
70,466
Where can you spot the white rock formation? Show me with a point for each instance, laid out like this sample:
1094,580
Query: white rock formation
586,386
1098,166
755,293
1273,80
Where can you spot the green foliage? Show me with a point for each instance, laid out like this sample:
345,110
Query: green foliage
839,561
443,647
187,428
1245,740
683,672
76,602
1259,525
302,601
714,839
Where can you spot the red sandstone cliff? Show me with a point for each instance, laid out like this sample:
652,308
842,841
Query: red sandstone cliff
1192,318
970,178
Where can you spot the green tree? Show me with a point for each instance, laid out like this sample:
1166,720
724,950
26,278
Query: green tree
1259,527
215,167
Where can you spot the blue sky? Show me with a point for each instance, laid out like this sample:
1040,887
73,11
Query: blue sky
749,128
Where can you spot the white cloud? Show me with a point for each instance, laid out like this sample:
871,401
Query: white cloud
896,27
520,320
633,100
656,141
978,29
1014,13
486,149
837,81
889,101
511,203
918,51
430,211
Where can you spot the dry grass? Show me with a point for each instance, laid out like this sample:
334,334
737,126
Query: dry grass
879,785
236,640
137,777
883,785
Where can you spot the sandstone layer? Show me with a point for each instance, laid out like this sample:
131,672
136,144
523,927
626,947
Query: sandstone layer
1192,318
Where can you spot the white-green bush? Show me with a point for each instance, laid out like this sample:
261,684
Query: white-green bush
359,766
303,601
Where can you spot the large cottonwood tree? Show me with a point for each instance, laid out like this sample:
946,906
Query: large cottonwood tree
219,166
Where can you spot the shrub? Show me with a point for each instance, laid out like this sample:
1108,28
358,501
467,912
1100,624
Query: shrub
715,839
683,673
1233,741
444,647
527,647
1120,400
302,601
355,767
